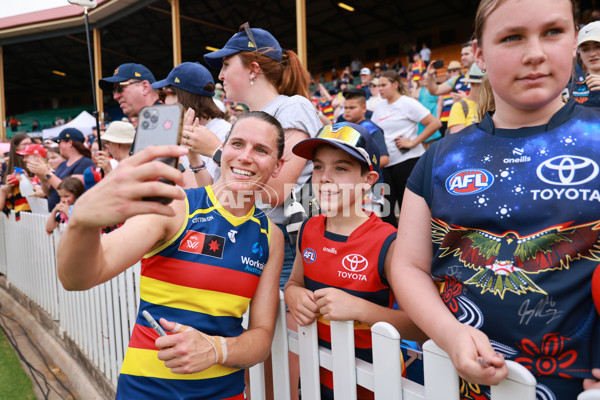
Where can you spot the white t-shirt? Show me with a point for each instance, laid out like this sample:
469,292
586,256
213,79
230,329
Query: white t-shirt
400,119
295,112
425,54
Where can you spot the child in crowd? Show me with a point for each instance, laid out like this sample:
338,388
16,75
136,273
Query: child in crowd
69,190
587,89
342,258
498,233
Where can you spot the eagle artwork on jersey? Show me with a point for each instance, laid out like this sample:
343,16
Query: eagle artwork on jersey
504,261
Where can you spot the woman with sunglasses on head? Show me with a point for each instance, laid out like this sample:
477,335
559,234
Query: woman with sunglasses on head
191,85
256,71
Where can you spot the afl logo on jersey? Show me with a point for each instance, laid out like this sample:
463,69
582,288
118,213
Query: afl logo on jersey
355,263
309,255
469,181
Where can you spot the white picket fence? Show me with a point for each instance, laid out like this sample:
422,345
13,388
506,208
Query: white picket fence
100,321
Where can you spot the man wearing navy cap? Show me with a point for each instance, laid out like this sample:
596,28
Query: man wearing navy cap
131,88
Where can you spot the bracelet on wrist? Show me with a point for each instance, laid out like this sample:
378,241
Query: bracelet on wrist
48,176
198,168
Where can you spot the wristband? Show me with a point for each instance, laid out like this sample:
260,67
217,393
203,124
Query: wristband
49,175
198,168
218,343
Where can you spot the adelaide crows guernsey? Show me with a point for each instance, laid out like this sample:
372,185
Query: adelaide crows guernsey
516,238
204,277
354,264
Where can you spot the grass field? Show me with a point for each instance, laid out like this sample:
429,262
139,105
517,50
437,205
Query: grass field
14,382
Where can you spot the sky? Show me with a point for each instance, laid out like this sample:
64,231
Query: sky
9,8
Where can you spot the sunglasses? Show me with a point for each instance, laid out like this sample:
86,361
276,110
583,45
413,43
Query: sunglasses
246,27
164,92
120,86
348,136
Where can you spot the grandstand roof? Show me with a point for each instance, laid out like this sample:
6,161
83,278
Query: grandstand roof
37,43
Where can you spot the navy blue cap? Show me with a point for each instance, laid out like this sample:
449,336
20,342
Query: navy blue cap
365,150
189,76
124,72
266,43
70,134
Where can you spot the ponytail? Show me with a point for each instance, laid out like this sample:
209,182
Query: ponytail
295,78
288,75
485,99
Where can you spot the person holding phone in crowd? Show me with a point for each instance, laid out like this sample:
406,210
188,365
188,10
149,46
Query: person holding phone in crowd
487,235
206,256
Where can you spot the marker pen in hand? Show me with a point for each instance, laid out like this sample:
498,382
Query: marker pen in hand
482,361
153,323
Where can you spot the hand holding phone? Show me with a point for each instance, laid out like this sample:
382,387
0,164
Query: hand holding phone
153,323
159,125
437,64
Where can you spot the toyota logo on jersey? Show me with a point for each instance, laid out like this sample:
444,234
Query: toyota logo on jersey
355,263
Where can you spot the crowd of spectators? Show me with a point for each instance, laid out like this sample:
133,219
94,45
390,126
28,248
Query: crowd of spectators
395,111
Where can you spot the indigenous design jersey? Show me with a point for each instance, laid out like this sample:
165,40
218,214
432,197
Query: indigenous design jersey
353,264
204,277
516,232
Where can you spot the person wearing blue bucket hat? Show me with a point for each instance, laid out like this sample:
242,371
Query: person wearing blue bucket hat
191,85
257,72
130,85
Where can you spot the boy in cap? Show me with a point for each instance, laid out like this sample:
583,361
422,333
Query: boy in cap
587,88
342,257
131,88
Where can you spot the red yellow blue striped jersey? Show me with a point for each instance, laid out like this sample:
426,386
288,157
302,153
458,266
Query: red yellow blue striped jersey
204,277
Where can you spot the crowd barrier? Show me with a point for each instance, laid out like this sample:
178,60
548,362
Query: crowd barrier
99,321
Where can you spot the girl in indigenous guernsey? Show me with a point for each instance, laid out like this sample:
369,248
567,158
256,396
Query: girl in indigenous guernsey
206,256
343,258
504,216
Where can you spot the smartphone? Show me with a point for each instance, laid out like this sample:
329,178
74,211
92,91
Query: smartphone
153,323
438,63
159,125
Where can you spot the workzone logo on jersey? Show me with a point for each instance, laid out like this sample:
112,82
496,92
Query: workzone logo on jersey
469,181
202,243
252,265
353,265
